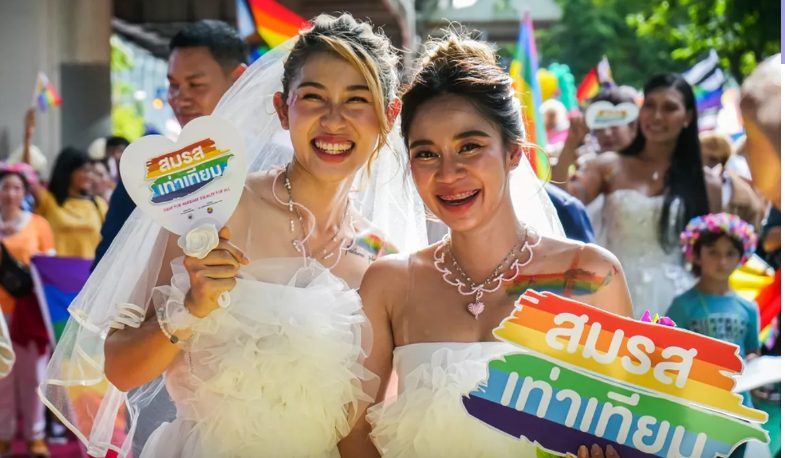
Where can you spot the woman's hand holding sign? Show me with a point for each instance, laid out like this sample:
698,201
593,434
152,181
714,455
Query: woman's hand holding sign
213,275
597,452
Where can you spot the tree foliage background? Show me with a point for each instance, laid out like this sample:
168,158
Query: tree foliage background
644,37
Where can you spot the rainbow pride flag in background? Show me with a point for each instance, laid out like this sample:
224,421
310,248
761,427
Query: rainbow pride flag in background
269,21
523,70
57,281
45,95
594,81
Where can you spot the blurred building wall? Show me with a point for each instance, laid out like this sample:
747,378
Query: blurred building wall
69,41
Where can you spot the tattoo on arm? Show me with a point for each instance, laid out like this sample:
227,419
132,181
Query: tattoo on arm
573,282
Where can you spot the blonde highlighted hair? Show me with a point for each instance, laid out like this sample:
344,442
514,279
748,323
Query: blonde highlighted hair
371,53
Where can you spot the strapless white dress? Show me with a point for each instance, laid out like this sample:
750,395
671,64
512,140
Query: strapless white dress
273,374
427,418
630,227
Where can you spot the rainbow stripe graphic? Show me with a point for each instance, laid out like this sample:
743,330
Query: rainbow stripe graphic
576,281
523,70
671,361
374,244
595,377
561,409
57,282
182,172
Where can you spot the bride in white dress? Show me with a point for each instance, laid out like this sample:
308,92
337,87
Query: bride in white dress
651,189
463,131
279,371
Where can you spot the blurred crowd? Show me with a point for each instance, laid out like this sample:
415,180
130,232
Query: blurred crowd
684,210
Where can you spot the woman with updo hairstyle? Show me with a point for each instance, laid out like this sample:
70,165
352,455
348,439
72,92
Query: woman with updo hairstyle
257,327
464,135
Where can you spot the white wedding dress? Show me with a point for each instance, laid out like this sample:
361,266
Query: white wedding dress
630,222
427,419
272,375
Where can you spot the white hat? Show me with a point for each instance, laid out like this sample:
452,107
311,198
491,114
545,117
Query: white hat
97,149
37,159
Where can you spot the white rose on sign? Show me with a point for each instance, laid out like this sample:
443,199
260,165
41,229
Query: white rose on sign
199,241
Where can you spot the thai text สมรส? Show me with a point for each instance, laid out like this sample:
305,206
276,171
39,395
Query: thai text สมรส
594,375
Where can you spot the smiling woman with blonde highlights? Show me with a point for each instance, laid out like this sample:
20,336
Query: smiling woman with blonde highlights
433,311
278,371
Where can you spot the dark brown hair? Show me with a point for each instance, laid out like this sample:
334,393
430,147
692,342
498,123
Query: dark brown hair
684,180
459,65
708,238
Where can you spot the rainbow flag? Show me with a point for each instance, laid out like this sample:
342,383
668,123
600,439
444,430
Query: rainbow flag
589,87
268,20
523,71
45,95
57,281
597,78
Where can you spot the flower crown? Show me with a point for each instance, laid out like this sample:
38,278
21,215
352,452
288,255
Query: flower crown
21,168
719,223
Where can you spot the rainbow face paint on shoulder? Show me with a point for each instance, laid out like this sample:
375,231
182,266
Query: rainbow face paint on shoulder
573,282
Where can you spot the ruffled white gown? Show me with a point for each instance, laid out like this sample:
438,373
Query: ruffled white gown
273,374
427,418
630,222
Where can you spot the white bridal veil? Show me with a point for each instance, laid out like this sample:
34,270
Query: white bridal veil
76,388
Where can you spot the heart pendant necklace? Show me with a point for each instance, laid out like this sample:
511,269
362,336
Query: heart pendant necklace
454,275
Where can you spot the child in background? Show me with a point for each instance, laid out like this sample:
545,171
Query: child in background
715,245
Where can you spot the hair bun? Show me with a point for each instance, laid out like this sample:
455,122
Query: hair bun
460,46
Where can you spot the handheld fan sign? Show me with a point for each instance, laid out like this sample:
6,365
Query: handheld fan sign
600,115
587,376
190,187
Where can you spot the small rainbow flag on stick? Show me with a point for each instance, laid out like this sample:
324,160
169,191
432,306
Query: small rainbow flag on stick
523,71
45,94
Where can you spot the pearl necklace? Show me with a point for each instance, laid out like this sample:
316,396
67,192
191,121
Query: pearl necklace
468,287
300,245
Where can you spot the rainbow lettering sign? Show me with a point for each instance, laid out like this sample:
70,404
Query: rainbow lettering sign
600,115
185,171
182,185
591,376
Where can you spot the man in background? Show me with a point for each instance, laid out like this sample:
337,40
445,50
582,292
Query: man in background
205,59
